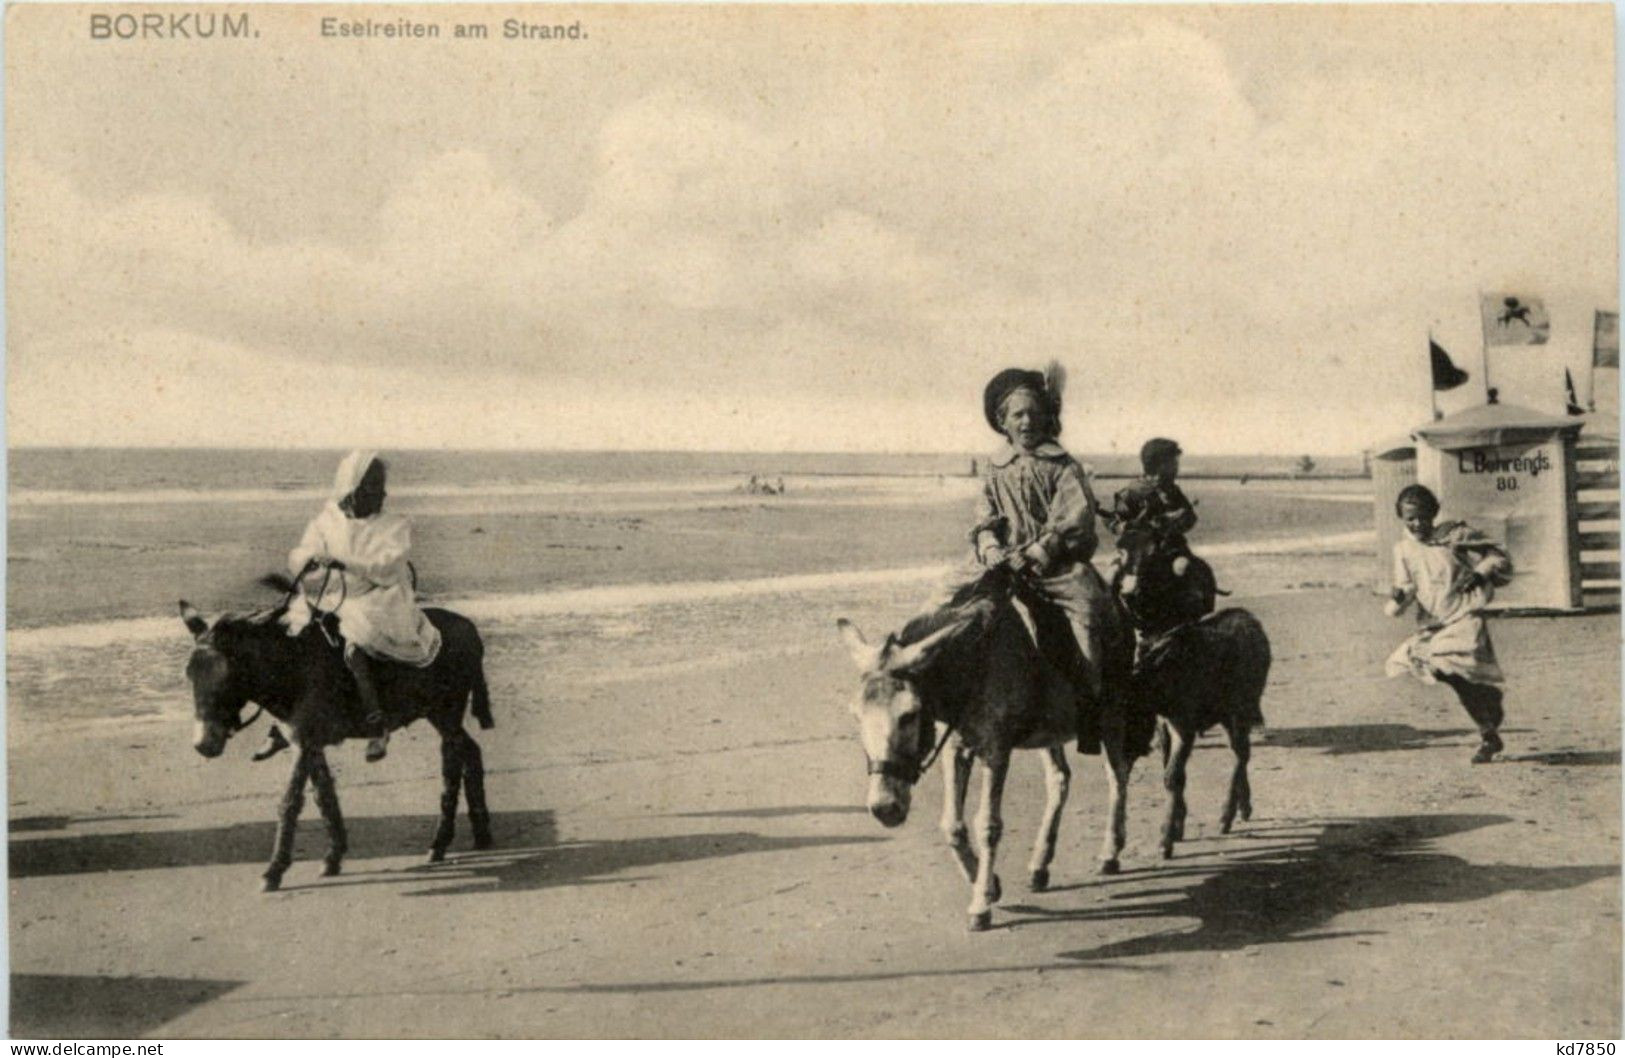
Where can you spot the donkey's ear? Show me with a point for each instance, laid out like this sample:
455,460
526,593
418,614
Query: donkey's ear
864,656
195,623
916,656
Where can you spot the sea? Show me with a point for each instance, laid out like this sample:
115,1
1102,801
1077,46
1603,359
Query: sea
560,552
159,475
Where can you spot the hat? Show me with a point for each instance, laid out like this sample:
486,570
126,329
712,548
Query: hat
1154,451
1007,382
350,473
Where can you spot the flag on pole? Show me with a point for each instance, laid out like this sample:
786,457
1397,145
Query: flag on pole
1514,319
1446,375
1605,340
1574,398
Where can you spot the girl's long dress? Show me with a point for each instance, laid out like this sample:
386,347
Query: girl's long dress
1453,639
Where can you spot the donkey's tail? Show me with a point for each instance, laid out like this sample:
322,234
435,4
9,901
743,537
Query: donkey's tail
482,699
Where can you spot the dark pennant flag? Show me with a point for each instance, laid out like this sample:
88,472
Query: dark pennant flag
1446,375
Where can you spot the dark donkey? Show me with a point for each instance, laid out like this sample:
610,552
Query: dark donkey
1196,671
1148,589
971,681
302,682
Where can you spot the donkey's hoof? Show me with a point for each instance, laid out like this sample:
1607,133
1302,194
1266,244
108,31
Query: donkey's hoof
484,841
1167,850
980,921
271,883
1225,825
1039,881
998,891
331,868
1110,866
1246,813
436,855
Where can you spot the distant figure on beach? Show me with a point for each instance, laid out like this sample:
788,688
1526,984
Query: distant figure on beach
781,486
355,557
974,469
1450,571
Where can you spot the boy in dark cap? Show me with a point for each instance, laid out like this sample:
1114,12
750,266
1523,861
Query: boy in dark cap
1037,515
1157,502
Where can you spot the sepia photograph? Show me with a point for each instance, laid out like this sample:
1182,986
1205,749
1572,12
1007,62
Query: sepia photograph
727,521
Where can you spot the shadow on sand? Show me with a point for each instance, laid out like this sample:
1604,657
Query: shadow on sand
776,812
40,824
594,862
1570,758
370,837
1362,738
1285,894
47,1006
1281,894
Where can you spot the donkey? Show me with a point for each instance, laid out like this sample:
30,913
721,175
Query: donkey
1194,670
972,678
302,682
1197,676
1154,597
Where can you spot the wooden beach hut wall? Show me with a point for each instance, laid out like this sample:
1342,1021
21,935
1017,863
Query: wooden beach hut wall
1596,508
1510,471
1393,466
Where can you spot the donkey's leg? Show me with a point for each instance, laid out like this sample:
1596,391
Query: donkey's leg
989,827
1057,778
451,785
293,799
1241,794
479,817
327,799
1173,778
956,768
1118,766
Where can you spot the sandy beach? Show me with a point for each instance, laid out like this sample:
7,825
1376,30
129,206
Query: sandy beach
677,789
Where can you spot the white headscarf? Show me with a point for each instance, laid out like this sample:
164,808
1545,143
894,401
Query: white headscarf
350,472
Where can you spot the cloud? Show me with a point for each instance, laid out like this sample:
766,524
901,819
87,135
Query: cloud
1196,221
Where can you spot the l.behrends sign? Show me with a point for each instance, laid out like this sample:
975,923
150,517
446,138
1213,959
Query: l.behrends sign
1482,462
185,25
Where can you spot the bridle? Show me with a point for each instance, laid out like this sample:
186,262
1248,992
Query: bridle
235,722
908,771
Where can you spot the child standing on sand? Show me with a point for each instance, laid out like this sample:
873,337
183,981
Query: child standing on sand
1450,571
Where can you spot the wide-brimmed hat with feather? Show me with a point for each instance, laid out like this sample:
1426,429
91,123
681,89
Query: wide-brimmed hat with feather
1048,384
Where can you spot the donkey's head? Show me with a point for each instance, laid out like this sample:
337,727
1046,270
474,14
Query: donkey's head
1139,562
894,723
221,682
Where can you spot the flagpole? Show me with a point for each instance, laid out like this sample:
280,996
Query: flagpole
1591,381
1484,335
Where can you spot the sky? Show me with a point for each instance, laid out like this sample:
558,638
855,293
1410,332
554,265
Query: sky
782,228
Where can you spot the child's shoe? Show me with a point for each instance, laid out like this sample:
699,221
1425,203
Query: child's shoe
274,743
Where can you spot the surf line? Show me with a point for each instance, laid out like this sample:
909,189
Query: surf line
612,598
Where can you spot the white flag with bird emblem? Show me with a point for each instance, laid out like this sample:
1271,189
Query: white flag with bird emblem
1513,319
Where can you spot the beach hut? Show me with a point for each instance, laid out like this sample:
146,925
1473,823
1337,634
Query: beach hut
1393,466
1511,472
1596,508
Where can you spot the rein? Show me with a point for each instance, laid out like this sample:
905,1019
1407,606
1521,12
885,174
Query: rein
316,612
